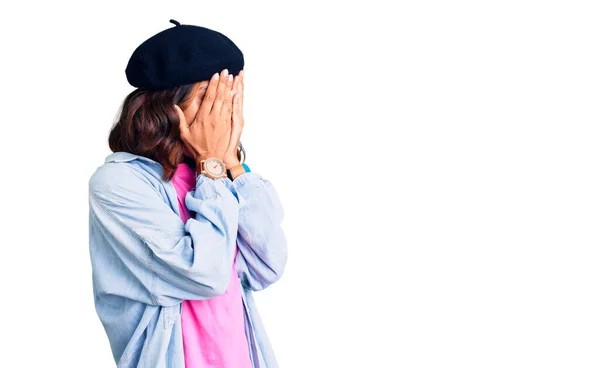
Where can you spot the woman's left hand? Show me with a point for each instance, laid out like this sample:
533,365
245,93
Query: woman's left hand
237,121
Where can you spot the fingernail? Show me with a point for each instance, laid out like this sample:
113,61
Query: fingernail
225,72
241,73
230,77
216,76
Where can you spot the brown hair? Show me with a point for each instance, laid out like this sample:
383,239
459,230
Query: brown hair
148,125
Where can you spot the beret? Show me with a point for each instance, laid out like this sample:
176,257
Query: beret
180,55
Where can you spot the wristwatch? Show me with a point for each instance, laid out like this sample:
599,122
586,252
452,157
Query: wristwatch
213,168
237,170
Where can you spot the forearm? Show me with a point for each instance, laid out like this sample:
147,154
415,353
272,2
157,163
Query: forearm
214,226
173,261
261,239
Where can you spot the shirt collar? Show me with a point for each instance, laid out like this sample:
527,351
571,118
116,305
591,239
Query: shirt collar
122,156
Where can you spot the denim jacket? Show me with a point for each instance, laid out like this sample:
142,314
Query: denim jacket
146,260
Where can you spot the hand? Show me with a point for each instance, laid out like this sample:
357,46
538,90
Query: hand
230,159
208,135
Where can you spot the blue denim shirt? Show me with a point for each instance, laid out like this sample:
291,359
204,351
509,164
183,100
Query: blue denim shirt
146,260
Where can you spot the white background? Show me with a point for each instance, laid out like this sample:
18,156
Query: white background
438,163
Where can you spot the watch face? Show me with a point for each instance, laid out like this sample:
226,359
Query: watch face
214,166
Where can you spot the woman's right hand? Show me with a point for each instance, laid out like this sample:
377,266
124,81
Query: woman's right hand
209,133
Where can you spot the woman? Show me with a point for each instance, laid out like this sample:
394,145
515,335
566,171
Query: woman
181,231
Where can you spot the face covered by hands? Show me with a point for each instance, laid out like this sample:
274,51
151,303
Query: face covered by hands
215,115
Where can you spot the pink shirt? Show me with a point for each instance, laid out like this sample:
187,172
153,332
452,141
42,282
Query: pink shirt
214,334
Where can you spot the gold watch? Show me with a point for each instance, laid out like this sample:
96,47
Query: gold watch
213,168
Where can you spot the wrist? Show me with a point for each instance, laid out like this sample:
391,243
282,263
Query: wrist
211,166
231,162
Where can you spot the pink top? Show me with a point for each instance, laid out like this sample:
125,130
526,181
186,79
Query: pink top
214,334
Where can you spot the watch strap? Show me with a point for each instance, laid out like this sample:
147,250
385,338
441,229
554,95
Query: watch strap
236,171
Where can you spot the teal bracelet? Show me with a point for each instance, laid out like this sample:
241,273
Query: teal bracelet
246,167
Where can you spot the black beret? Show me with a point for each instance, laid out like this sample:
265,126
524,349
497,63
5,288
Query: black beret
181,55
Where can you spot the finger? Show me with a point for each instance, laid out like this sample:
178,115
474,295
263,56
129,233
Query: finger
223,80
184,129
234,141
227,107
236,104
209,96
236,81
238,120
241,86
236,127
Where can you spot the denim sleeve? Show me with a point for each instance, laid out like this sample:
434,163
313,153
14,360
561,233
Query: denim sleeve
261,242
188,261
